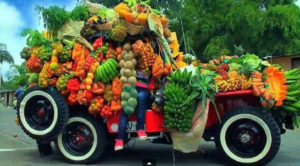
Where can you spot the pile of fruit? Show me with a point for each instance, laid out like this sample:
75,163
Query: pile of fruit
96,66
249,72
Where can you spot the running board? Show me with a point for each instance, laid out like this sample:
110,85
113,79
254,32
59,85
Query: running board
150,136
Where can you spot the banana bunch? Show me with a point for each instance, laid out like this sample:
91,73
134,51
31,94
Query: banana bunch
292,101
178,116
107,71
180,77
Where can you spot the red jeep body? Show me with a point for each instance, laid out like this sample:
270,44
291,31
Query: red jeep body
154,122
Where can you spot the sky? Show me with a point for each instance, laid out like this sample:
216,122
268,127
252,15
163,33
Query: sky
15,15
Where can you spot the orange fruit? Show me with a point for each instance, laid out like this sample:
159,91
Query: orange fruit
88,81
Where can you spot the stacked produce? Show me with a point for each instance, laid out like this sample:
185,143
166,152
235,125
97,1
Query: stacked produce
178,115
129,99
127,65
250,72
181,96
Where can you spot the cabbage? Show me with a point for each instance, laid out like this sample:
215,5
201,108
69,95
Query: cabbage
252,60
249,61
234,66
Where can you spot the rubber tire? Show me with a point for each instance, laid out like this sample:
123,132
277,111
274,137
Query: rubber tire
258,113
62,111
100,141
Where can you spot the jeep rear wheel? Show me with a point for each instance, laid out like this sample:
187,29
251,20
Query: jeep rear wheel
83,140
248,136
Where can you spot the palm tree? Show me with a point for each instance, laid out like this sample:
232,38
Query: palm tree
4,57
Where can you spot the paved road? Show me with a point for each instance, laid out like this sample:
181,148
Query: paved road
17,149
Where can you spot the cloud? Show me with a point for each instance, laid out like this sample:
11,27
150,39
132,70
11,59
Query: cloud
11,25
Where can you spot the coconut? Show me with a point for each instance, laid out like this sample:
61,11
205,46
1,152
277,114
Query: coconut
132,80
122,72
131,54
128,65
128,56
121,64
127,73
127,47
134,73
123,79
133,62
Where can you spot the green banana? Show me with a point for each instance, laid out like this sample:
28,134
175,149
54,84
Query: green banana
290,82
296,105
293,93
291,109
294,87
294,77
291,72
290,98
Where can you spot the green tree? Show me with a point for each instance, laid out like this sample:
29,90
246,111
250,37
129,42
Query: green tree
263,27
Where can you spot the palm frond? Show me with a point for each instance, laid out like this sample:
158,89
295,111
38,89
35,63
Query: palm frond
5,56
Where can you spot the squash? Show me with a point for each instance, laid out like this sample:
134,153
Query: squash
116,105
129,17
117,87
158,67
142,19
122,6
98,88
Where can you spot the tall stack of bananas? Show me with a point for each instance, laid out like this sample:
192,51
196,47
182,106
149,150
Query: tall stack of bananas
178,115
292,101
233,83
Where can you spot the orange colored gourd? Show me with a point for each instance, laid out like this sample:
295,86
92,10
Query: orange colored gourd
142,19
122,6
158,67
117,86
129,17
116,105
122,9
77,51
122,13
80,72
98,88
